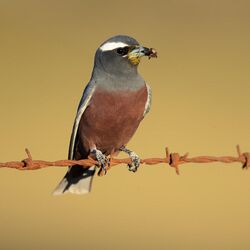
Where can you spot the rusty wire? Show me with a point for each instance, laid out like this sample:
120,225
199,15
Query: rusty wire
172,159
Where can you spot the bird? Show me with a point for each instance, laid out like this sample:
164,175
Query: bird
113,103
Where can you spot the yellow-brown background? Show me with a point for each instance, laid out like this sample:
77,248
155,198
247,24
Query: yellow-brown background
201,103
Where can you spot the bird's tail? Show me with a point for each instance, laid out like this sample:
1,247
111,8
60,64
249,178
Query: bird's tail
77,181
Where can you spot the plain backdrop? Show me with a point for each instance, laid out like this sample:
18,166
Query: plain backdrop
201,103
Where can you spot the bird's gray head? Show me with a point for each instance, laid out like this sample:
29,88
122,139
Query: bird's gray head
120,55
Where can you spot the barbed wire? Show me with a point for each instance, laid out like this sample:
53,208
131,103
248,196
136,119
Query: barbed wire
172,159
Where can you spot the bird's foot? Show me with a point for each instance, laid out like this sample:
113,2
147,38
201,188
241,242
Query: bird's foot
135,159
135,162
102,160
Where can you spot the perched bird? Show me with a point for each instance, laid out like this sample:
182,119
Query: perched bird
112,106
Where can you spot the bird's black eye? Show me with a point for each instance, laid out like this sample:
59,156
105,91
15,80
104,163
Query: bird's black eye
122,51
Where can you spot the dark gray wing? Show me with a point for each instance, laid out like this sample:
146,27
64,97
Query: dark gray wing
149,100
84,102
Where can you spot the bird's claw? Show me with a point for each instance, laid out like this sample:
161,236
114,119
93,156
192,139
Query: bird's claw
135,159
102,160
135,162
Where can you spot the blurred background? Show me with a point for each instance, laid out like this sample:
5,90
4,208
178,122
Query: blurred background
200,84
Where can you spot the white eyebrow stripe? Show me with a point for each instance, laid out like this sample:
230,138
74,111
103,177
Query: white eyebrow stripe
112,45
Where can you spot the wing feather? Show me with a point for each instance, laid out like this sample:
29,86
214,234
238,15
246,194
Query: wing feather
149,100
86,97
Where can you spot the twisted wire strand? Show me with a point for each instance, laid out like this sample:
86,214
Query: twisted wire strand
172,159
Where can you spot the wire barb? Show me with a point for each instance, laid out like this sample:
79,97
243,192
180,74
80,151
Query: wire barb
172,159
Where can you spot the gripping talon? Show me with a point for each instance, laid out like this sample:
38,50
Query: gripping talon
135,159
102,160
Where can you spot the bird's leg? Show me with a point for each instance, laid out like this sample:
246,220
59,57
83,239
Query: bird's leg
135,159
101,158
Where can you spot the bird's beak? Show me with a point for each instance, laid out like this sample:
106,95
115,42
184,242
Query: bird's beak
136,52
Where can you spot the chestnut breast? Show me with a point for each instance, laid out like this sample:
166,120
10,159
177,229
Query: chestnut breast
111,119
